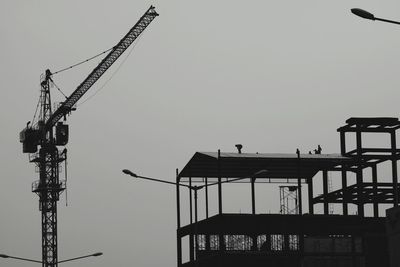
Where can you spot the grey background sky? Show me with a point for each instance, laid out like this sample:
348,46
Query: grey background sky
272,75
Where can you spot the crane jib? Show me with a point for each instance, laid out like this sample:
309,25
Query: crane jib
103,66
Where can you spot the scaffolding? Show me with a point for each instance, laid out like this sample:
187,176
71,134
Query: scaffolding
288,199
292,237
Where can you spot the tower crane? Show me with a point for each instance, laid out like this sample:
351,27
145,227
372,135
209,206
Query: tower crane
45,141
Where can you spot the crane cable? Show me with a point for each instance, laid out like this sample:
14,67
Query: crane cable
113,74
93,57
37,106
64,69
34,115
81,62
58,88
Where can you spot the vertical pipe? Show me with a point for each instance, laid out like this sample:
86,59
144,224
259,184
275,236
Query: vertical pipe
190,201
310,196
342,143
344,188
253,196
345,205
207,236
299,184
191,241
325,189
206,197
195,223
300,196
375,190
178,222
219,183
178,203
220,236
280,200
394,169
359,174
301,237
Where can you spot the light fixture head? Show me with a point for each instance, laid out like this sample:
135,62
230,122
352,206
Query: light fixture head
128,172
97,254
362,13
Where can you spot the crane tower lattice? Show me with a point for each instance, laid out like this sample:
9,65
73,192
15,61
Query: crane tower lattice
43,140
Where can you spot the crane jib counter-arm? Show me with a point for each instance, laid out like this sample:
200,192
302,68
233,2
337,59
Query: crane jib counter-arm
97,72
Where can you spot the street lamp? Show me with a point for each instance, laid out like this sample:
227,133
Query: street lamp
130,173
18,258
81,257
196,188
25,259
367,15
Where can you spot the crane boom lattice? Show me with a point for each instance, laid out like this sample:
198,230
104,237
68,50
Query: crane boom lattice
106,63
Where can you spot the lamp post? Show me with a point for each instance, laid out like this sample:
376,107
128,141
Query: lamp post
25,259
18,258
130,173
81,257
196,188
367,15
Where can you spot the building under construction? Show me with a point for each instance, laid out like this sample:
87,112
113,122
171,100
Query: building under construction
306,235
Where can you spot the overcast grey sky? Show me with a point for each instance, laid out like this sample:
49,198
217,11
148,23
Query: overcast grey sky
272,75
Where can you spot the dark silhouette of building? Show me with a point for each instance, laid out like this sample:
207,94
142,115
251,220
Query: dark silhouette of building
293,238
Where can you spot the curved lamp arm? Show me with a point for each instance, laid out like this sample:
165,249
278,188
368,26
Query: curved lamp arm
367,15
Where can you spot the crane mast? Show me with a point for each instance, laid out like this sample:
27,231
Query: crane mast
49,134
